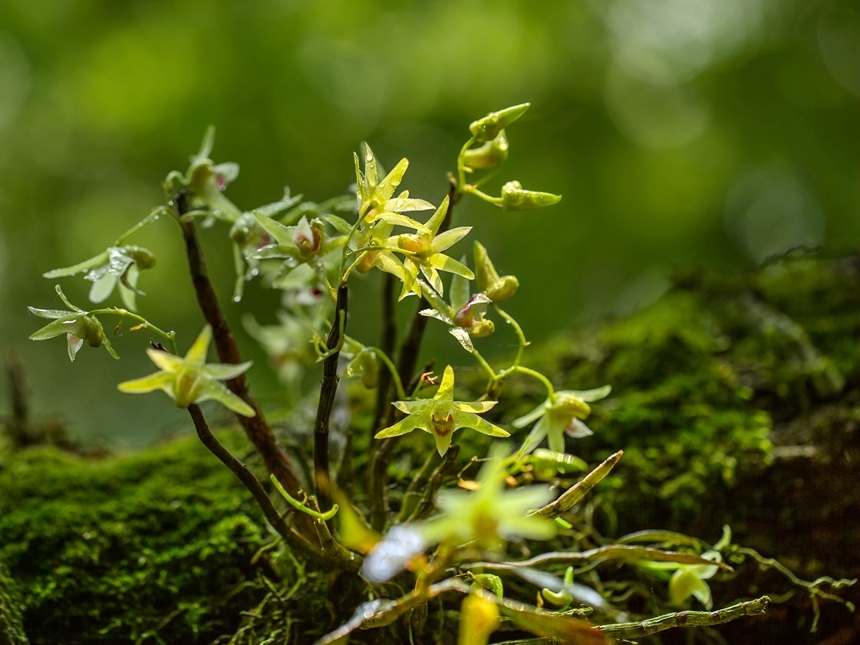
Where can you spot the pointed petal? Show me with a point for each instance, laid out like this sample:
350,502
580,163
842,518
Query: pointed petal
52,313
555,436
463,338
86,265
164,361
432,313
433,278
449,238
459,292
526,419
590,396
435,220
278,231
443,442
73,344
475,407
371,172
197,354
407,204
128,288
157,381
481,425
401,427
65,325
391,217
208,389
102,288
385,189
412,407
225,371
446,387
360,184
445,263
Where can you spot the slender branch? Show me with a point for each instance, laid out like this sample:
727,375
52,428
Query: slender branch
250,482
330,379
275,458
387,337
618,552
687,619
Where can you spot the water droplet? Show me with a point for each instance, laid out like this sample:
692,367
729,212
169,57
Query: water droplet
254,273
237,298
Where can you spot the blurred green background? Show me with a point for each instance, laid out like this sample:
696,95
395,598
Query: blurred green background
709,132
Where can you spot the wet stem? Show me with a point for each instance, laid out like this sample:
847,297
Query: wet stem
256,428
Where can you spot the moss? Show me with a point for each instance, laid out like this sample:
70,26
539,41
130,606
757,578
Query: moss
147,548
704,380
715,387
11,625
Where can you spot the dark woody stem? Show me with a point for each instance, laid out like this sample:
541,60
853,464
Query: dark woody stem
330,379
250,482
275,458
407,360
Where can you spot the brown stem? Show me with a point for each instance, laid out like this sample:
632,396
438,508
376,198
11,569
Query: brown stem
250,482
328,389
275,458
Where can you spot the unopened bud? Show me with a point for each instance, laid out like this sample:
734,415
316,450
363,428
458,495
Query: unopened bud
489,155
497,288
142,257
489,127
503,289
571,405
482,329
517,198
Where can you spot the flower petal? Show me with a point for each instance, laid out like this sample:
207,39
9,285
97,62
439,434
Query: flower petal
197,354
158,381
449,264
526,419
165,361
225,371
481,425
446,387
208,389
402,427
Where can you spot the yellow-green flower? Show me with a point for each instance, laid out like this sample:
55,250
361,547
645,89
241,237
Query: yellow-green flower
441,416
491,515
424,251
190,380
560,414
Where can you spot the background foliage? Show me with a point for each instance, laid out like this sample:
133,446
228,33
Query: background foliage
709,131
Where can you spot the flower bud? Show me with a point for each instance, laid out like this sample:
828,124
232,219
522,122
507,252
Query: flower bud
482,329
516,198
142,257
366,365
570,405
489,127
497,288
503,289
489,155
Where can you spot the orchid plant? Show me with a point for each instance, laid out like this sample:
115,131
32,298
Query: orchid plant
430,538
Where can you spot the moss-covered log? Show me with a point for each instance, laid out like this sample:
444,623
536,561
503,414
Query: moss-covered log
735,400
